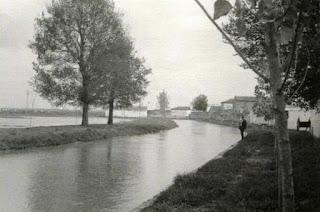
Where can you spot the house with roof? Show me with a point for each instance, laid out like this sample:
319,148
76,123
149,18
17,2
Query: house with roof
243,104
180,112
228,104
233,108
214,109
239,104
215,112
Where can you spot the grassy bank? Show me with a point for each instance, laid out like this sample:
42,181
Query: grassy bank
233,123
56,135
244,179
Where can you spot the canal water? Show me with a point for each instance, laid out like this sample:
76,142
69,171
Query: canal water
110,175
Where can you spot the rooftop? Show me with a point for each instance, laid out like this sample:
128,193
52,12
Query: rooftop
240,99
228,101
245,98
181,108
214,108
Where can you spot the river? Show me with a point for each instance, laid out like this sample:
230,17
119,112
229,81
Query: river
116,174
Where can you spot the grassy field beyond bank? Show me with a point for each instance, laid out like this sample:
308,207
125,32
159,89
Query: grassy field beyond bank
57,135
244,179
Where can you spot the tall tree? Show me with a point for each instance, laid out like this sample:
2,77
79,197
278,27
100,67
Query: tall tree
303,81
69,37
128,86
200,103
123,75
163,101
266,34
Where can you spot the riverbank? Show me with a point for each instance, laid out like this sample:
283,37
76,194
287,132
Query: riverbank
56,135
244,178
233,123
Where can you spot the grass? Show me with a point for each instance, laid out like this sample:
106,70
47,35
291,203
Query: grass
57,135
244,179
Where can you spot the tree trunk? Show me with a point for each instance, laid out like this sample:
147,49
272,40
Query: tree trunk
85,111
281,118
110,117
85,100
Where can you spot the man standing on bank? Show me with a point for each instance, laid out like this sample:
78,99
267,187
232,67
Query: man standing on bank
242,126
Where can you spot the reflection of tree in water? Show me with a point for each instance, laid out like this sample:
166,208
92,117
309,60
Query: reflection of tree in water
95,171
163,135
73,180
109,163
162,152
104,175
52,182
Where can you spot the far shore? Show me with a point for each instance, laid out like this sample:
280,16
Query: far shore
22,138
47,113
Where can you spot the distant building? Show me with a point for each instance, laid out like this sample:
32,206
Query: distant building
239,104
214,109
233,109
180,112
129,112
215,112
243,104
228,104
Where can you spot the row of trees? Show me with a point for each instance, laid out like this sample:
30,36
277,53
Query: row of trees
199,103
279,41
86,58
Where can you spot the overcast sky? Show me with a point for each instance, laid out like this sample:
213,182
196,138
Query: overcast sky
184,50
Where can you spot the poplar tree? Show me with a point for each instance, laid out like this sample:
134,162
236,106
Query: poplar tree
268,36
163,101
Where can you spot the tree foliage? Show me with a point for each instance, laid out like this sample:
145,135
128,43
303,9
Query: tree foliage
200,103
263,106
85,56
298,47
69,36
163,101
124,79
269,36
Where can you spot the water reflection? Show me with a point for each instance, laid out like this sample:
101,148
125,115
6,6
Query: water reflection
110,175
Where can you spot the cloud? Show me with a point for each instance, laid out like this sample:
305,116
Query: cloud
13,32
184,50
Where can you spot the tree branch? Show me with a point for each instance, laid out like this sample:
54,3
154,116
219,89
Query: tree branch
266,79
285,12
287,65
304,77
